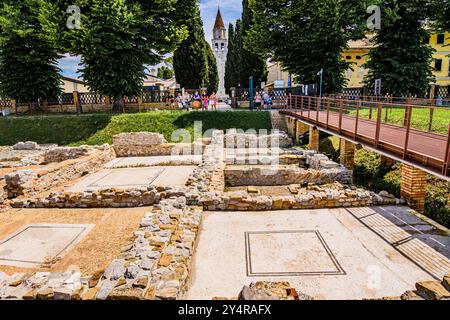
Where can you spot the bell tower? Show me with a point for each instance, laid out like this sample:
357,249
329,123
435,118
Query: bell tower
220,49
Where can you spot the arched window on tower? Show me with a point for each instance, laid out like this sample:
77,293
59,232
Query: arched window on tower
222,46
217,47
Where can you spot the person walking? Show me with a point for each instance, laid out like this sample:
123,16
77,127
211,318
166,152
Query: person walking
187,101
258,101
180,102
213,101
197,100
266,99
205,103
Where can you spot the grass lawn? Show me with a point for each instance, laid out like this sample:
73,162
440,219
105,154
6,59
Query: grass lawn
420,118
96,129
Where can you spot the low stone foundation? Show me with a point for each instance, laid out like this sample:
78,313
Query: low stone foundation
155,266
235,139
313,197
32,182
146,144
283,175
61,154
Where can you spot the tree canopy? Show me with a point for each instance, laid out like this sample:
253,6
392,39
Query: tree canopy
29,51
307,36
402,56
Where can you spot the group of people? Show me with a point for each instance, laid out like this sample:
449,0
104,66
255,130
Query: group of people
197,101
262,101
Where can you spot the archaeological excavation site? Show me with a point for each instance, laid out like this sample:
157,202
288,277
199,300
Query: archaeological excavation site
230,216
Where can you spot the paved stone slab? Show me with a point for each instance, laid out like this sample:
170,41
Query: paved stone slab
38,244
350,261
130,162
130,178
303,253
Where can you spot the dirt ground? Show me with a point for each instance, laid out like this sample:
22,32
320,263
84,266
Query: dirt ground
113,229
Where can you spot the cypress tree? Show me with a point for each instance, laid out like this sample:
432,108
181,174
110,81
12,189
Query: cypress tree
402,56
28,52
237,59
230,69
190,59
213,73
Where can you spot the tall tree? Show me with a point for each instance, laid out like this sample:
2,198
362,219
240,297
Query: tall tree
213,73
307,36
252,64
118,38
165,73
441,9
402,56
28,51
230,68
190,60
237,61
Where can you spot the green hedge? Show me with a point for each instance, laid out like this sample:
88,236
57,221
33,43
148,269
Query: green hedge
94,129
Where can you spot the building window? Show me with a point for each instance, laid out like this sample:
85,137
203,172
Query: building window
348,57
427,39
217,46
222,46
440,38
358,57
437,64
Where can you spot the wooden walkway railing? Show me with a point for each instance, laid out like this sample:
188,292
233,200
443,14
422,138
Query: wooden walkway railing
417,135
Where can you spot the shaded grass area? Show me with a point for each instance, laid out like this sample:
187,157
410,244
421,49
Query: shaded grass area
420,118
97,129
371,174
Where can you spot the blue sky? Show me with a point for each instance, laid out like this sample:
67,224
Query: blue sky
231,11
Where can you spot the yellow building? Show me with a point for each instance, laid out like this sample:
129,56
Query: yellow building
357,53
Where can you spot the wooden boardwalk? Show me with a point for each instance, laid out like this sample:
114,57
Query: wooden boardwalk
428,151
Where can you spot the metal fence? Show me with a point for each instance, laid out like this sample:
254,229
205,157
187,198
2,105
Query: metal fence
419,134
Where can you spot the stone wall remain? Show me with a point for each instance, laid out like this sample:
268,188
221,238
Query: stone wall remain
311,197
32,182
283,175
155,266
277,139
60,154
142,144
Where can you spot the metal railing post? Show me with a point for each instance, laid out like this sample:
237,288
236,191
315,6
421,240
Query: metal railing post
378,128
446,165
309,107
328,112
358,106
408,127
430,126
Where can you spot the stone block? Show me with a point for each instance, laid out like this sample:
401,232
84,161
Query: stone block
432,290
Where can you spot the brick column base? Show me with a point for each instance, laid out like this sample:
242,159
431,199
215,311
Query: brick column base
313,138
413,187
386,161
301,130
347,150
